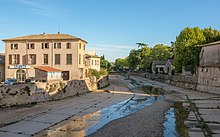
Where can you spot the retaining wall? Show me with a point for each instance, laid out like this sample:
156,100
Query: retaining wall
39,91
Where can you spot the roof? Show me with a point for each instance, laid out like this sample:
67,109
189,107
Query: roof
47,69
44,37
93,56
159,62
171,61
211,44
2,58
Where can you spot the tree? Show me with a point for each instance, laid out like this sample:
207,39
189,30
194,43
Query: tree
161,52
104,64
121,64
186,48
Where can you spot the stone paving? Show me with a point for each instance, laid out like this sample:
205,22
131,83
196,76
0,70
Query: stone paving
74,107
208,105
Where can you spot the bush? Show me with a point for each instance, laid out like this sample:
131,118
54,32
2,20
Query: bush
93,72
103,72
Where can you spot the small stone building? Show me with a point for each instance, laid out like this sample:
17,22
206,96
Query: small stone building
169,67
158,66
47,74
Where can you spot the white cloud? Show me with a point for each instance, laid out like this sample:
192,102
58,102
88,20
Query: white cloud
39,7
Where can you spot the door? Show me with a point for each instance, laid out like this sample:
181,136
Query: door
20,75
65,75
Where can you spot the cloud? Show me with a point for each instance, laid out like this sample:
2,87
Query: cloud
39,7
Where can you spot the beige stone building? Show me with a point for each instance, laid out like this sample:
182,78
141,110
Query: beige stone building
92,61
59,51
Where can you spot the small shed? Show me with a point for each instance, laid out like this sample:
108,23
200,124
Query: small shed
158,66
169,67
43,73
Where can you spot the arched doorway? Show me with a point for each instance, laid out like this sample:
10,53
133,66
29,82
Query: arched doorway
20,75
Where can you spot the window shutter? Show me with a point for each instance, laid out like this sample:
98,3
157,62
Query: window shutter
18,58
10,59
26,59
35,56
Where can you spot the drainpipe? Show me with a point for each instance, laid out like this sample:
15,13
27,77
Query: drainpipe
26,63
52,58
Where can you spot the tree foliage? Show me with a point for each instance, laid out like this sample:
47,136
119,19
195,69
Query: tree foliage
105,64
187,46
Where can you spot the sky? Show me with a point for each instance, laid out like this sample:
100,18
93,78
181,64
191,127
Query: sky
111,27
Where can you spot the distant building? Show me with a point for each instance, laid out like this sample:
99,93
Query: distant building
47,74
59,51
2,67
92,61
158,66
169,68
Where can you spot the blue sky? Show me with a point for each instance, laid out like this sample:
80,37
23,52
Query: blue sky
111,27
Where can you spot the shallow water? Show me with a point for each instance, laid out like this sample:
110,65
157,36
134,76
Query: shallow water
169,124
90,123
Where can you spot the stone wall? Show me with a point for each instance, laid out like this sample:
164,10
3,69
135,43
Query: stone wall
209,79
189,82
103,82
46,91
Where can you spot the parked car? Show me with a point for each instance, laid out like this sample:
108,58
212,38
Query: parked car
11,81
30,80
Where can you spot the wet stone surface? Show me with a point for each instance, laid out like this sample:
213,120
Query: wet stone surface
90,123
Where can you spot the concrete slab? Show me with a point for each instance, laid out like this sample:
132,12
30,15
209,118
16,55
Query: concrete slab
211,118
26,127
215,135
70,111
209,111
49,118
7,134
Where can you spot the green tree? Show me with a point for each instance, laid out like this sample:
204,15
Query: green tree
104,64
186,48
121,64
161,52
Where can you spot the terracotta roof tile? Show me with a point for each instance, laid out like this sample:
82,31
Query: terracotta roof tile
93,56
47,69
44,37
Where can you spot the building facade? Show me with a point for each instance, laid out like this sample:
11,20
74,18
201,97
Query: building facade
92,61
59,51
169,68
209,66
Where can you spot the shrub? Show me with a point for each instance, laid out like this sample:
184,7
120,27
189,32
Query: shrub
93,72
103,72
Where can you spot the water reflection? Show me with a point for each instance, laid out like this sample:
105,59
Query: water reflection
174,125
90,123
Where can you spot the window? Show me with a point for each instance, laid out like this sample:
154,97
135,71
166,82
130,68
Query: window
45,45
14,59
68,58
79,45
68,45
14,46
84,47
32,59
57,59
31,46
57,45
79,58
45,56
92,62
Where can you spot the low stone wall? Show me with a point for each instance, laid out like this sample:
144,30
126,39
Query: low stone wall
189,82
103,82
39,91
